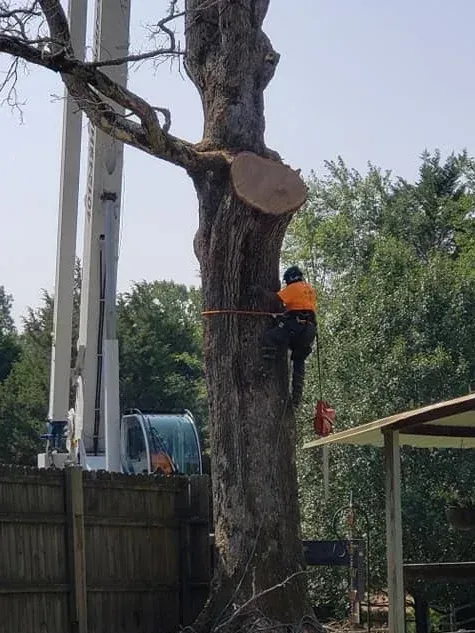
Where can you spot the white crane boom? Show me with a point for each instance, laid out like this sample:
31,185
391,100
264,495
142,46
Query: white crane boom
103,198
97,401
165,442
67,232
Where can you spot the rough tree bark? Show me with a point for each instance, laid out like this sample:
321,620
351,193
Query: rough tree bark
252,427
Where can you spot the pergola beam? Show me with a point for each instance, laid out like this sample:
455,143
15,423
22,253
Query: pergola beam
437,572
439,430
435,412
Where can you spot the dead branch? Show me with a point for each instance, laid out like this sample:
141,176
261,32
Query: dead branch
257,596
20,22
172,50
161,27
8,86
7,13
95,93
138,57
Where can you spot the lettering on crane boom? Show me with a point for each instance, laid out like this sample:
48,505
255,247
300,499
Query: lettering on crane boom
92,131
90,169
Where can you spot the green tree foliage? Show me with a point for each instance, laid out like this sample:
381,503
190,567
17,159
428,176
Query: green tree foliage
394,263
160,364
9,346
24,394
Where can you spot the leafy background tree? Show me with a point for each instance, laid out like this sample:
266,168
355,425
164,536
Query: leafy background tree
9,346
160,339
24,392
160,362
394,263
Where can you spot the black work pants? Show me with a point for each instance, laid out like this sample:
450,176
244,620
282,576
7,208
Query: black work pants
296,333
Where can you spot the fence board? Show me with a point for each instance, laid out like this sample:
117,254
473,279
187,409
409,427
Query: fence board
132,528
199,546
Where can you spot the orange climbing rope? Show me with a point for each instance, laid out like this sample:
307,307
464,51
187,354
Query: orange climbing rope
235,311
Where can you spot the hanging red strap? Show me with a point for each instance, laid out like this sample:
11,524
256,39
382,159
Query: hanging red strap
324,418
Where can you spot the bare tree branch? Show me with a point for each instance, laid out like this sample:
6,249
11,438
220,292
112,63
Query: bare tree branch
119,61
95,93
161,27
257,596
8,86
21,22
172,50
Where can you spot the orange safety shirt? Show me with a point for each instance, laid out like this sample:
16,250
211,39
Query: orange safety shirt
299,296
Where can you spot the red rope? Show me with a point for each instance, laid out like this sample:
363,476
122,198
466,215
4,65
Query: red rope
234,311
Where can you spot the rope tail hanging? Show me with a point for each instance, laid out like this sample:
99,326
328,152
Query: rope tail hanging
323,421
320,385
324,415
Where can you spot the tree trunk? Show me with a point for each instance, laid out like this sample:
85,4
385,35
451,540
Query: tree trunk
252,425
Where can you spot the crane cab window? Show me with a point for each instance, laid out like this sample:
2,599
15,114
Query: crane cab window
176,435
136,451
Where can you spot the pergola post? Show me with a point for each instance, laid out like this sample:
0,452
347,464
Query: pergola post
392,465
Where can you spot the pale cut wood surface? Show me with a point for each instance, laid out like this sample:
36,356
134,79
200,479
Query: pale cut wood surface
267,185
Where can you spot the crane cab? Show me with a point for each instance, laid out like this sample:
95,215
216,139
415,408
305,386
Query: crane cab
163,443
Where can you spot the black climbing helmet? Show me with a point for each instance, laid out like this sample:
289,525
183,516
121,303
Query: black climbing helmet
293,274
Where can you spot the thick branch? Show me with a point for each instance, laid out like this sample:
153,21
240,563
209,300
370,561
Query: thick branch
231,61
96,95
249,14
58,24
17,48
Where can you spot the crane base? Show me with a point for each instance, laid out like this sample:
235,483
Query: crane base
52,460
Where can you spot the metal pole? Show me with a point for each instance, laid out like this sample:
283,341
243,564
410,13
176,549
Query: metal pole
326,472
110,343
67,231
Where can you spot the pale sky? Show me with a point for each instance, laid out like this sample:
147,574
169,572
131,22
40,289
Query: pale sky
377,80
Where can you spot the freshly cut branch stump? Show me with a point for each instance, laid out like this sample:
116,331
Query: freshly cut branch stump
267,185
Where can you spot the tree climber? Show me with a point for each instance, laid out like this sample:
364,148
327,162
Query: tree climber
295,329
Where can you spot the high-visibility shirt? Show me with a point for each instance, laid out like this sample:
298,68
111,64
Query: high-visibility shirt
299,296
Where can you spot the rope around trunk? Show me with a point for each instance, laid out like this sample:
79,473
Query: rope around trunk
237,311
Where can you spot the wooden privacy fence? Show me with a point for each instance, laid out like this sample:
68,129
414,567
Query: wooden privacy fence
86,552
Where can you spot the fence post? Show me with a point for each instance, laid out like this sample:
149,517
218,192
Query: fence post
199,558
200,530
76,548
183,506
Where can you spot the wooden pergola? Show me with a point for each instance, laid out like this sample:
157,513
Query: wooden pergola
449,424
